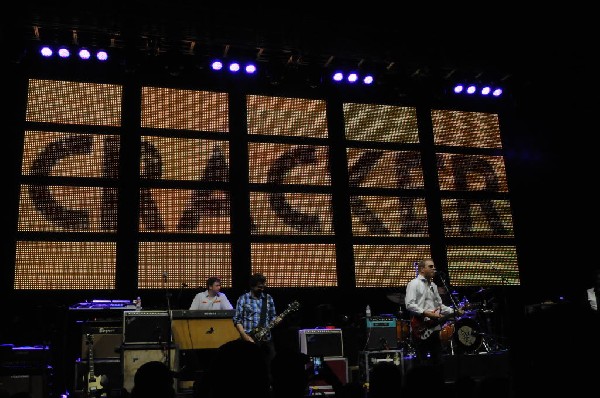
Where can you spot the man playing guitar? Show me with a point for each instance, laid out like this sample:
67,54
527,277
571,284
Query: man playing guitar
428,312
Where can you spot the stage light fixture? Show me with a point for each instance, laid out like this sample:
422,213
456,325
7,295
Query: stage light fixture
368,79
102,55
84,54
471,89
338,76
216,65
46,51
64,52
234,67
352,77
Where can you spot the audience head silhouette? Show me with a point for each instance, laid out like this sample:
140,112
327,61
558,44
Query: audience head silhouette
153,379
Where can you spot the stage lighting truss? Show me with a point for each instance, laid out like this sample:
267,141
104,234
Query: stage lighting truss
477,90
67,52
352,78
234,67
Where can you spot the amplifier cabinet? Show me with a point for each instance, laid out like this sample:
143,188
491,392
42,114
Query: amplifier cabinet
106,342
134,356
146,327
32,384
321,342
382,336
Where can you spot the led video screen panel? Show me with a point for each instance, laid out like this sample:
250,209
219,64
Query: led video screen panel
65,265
189,262
387,265
295,264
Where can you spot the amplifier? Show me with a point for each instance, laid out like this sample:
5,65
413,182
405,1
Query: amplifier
381,322
106,338
134,356
321,342
146,327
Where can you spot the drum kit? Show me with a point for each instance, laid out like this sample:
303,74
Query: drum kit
468,333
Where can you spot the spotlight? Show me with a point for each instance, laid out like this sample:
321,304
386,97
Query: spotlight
234,67
368,79
250,69
352,77
216,65
471,89
84,54
102,55
486,90
64,52
497,92
338,76
46,51
459,88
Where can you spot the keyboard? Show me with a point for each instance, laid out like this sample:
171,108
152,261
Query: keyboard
200,314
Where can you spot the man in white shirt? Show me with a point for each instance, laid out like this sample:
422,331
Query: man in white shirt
428,313
593,292
211,298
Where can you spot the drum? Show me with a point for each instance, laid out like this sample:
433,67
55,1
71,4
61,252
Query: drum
402,330
467,337
447,332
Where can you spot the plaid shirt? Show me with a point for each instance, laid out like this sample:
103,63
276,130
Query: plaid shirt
247,311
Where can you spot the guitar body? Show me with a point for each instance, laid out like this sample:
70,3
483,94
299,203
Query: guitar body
423,327
260,333
94,385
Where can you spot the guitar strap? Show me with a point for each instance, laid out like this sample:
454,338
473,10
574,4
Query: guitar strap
263,312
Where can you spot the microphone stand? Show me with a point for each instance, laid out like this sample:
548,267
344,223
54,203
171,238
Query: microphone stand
169,313
455,308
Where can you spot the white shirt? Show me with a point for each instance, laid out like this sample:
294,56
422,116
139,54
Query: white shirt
422,295
203,301
592,299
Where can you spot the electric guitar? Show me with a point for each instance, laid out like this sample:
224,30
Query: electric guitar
94,385
423,327
260,333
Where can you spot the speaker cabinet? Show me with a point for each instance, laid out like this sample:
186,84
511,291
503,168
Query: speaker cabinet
135,356
382,338
23,383
321,342
105,345
146,327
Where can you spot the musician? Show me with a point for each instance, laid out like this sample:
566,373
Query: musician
254,310
593,293
424,303
211,298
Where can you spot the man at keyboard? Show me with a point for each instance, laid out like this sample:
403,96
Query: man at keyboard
211,298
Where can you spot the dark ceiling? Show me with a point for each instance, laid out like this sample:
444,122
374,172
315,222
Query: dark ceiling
504,46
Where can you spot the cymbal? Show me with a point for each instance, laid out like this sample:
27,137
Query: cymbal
397,298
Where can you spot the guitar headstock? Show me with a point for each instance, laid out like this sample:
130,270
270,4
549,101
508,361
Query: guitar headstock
293,306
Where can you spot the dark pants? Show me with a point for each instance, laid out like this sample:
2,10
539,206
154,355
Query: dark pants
429,350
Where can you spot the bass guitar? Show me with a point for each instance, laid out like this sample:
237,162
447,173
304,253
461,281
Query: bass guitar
260,333
94,385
